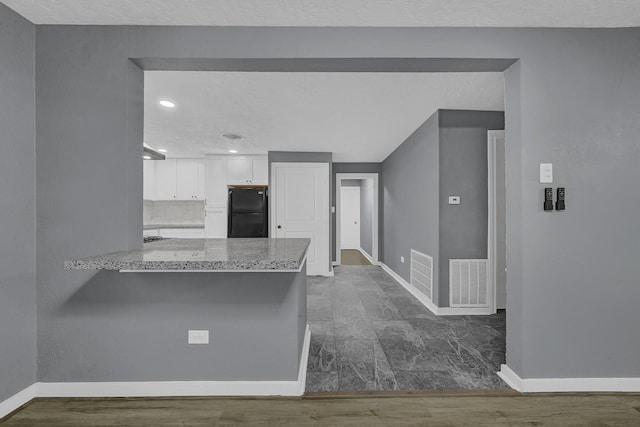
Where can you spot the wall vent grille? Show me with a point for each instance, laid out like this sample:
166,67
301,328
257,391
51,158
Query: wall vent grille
468,283
422,273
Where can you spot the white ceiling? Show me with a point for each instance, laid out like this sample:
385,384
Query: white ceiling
393,13
360,117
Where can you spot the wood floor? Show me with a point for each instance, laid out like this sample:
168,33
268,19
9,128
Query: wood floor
353,257
410,410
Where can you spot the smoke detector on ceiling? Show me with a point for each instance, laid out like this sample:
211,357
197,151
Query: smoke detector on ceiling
233,137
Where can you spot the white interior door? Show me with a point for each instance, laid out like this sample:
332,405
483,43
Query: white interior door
350,217
300,201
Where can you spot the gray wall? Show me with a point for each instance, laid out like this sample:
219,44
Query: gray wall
358,168
306,157
411,198
572,99
514,200
133,327
17,204
351,183
366,215
463,172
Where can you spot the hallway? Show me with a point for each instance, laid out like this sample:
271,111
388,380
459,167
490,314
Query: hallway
369,333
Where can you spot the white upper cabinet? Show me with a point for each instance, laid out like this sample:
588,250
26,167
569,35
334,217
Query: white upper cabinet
215,181
260,171
189,179
249,170
166,183
174,179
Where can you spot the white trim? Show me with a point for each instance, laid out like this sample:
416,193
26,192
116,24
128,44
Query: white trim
376,209
183,388
552,385
367,256
511,378
17,400
438,311
304,361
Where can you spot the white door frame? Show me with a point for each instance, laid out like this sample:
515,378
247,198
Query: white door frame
492,135
273,191
376,207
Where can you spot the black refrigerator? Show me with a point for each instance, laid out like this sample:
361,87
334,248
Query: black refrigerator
248,212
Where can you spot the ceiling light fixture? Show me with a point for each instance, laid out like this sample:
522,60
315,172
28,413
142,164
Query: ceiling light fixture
162,150
232,136
233,151
167,104
146,157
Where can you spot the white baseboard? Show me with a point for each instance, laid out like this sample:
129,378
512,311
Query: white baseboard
165,388
438,311
17,400
367,256
552,385
304,361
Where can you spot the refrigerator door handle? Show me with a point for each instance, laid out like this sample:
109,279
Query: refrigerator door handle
229,216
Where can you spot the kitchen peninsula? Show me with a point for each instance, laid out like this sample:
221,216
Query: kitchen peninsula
249,294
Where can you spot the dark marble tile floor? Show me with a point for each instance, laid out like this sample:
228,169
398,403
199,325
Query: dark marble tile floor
369,333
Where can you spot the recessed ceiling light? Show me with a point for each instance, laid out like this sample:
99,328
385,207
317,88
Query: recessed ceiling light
232,136
162,150
233,151
147,157
167,104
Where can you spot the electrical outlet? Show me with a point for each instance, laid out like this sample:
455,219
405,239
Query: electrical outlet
402,259
198,337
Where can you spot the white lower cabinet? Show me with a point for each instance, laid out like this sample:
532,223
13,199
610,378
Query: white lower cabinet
150,232
182,233
215,222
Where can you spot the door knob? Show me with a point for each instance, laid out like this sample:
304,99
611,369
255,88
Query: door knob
355,222
279,226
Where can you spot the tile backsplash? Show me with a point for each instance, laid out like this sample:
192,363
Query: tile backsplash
173,212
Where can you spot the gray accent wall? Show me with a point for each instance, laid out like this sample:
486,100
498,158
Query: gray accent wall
357,168
572,98
411,195
17,204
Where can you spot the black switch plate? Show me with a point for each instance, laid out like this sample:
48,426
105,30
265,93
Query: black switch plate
560,199
548,199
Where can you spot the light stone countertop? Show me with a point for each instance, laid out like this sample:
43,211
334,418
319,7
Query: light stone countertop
257,254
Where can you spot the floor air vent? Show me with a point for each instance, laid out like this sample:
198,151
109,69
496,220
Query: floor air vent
422,273
468,283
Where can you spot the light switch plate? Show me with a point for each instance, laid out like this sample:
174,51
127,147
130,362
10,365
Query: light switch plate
454,200
546,173
198,336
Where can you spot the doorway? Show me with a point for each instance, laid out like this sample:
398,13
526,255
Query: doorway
357,219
